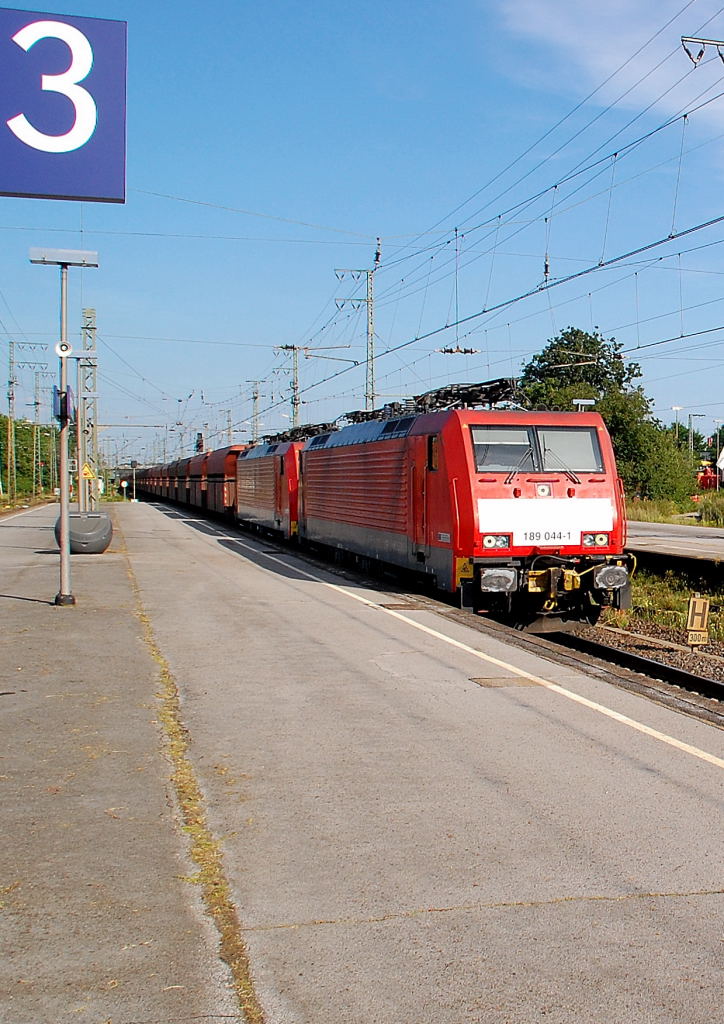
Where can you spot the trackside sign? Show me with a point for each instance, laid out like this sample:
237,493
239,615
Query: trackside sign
62,107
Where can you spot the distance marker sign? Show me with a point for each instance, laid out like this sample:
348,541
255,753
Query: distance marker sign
62,107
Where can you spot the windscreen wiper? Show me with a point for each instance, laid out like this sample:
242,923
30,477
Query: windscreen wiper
528,453
569,472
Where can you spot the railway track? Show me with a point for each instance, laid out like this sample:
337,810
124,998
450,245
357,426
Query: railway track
692,693
673,674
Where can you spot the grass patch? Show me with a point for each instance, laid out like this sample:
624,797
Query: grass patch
204,849
661,511
711,507
663,601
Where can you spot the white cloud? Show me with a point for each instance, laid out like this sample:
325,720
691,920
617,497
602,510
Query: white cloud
575,45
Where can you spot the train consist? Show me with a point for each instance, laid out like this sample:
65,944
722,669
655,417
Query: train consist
521,513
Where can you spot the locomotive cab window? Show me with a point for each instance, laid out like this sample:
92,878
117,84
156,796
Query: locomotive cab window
519,449
567,448
501,449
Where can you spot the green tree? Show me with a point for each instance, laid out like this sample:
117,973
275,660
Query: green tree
28,470
576,364
649,461
580,365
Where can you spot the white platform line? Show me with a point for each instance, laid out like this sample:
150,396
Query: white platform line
662,737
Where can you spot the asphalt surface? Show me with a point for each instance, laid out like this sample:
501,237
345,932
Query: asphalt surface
413,829
96,921
702,543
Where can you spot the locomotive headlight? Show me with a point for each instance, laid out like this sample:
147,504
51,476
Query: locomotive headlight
596,540
496,540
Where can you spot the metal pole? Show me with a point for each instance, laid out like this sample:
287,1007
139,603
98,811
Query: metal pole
295,385
255,414
64,595
11,456
79,453
370,375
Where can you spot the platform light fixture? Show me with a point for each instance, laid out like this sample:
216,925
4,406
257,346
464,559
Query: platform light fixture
64,258
676,409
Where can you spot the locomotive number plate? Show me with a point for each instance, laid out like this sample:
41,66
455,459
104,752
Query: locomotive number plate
549,537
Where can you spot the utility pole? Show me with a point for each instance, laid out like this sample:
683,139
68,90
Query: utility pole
37,434
294,349
370,301
255,396
87,415
229,429
692,417
13,367
11,476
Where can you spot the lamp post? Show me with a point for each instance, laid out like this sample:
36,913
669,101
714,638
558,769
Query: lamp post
717,424
64,258
693,416
676,409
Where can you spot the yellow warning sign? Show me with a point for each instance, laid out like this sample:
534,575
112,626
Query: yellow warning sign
698,620
87,473
698,617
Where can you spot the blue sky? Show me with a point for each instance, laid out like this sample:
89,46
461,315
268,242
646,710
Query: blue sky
269,144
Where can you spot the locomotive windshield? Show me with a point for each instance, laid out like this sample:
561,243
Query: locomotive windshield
572,449
500,449
514,449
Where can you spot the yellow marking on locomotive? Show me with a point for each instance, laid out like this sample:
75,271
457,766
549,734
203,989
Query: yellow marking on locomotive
543,581
571,580
538,581
463,570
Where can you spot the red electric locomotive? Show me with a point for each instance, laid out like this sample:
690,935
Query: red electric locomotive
267,487
521,512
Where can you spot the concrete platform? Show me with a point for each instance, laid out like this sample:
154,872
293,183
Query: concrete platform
417,824
700,543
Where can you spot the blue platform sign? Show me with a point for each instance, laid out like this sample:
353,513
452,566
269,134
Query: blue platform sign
62,107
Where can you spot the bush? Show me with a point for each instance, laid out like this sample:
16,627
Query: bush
711,507
663,510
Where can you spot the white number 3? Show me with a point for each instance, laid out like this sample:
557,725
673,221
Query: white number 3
66,84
